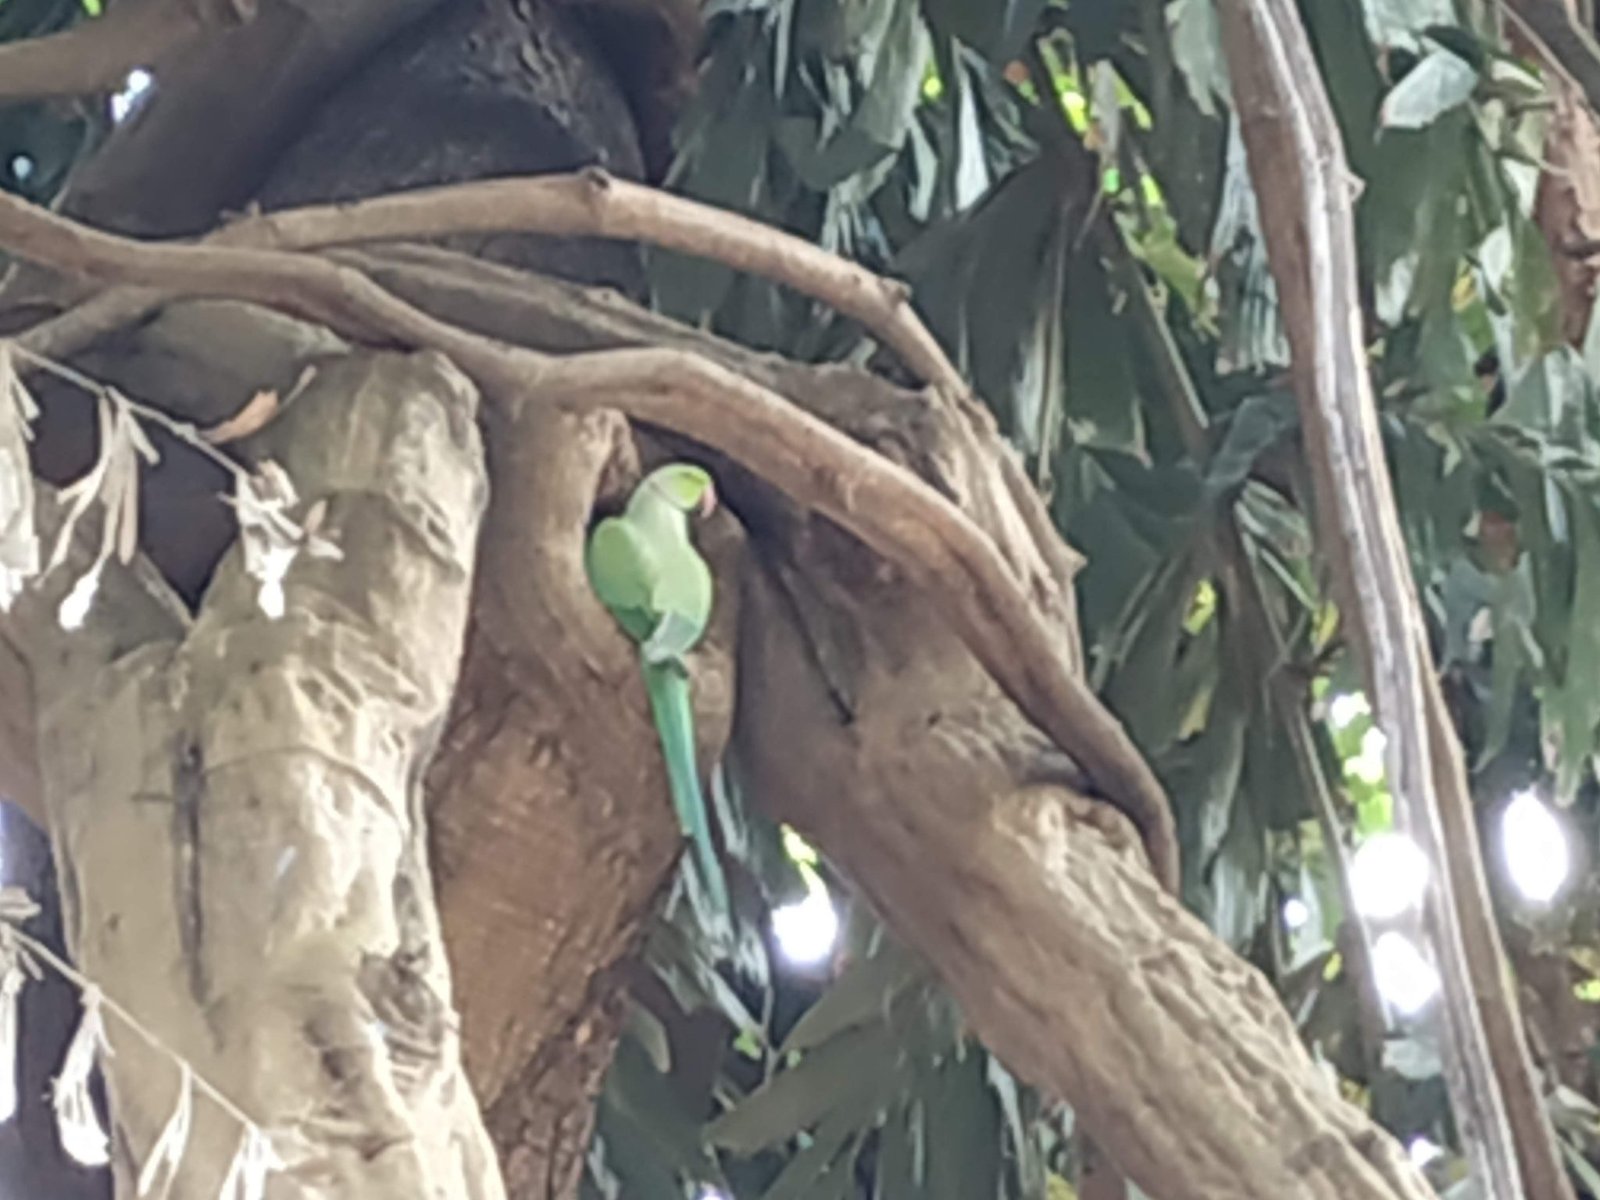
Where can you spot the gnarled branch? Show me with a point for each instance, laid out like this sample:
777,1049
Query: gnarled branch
593,203
590,203
887,507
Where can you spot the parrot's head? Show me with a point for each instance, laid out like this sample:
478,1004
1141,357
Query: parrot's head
685,486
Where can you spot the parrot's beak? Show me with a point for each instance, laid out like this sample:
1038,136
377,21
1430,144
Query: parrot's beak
708,501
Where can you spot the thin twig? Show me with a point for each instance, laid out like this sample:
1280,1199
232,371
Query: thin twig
80,326
182,430
594,203
886,506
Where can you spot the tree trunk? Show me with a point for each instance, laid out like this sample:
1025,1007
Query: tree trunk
236,808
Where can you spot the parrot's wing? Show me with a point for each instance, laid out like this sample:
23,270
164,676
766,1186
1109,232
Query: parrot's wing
682,595
621,570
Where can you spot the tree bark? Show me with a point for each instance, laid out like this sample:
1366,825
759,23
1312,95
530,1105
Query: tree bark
966,830
236,809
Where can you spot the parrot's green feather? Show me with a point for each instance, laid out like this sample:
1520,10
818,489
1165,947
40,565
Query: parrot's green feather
646,571
619,571
668,687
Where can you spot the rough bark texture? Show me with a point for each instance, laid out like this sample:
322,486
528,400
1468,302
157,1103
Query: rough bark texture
1108,987
525,776
236,806
861,718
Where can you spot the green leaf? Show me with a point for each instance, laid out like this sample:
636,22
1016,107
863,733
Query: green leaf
630,1159
645,1028
989,283
1205,772
1515,654
861,1064
647,1114
900,1156
997,29
894,88
1147,656
963,1120
825,1168
1437,84
1255,426
1577,704
1102,399
862,995
1580,1167
1023,1146
1196,41
686,968
1400,23
1237,882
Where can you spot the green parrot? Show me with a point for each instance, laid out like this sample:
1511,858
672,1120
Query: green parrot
646,571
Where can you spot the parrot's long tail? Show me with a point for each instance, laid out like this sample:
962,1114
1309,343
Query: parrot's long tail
668,688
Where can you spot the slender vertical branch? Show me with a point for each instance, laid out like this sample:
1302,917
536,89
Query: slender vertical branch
1304,188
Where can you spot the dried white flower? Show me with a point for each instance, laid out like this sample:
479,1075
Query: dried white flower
16,906
270,538
81,1134
12,977
19,542
167,1153
75,607
114,481
247,1174
120,495
272,567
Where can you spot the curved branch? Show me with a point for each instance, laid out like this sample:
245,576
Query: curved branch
594,203
1303,184
96,56
884,505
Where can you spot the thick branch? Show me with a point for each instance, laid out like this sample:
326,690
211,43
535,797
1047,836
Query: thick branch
884,505
594,203
1303,187
1174,1053
96,56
